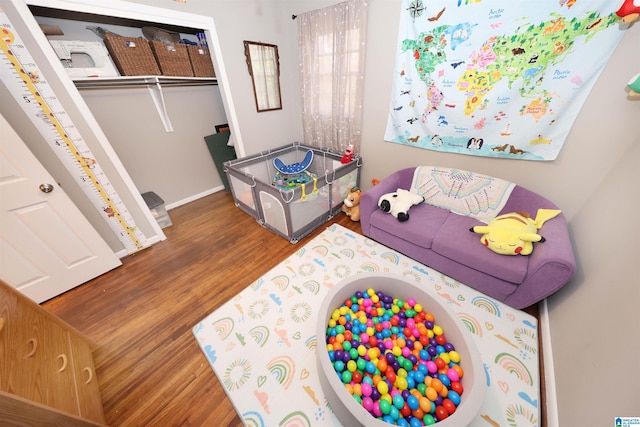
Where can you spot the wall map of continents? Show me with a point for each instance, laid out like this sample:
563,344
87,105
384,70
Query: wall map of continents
500,78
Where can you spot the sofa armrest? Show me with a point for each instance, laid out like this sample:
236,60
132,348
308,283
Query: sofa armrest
369,201
551,264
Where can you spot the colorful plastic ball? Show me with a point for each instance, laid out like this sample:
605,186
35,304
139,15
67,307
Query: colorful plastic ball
366,389
398,401
425,404
444,379
394,359
449,406
370,367
454,397
441,413
405,411
428,420
385,406
383,387
413,403
453,375
367,403
353,353
431,394
401,383
457,387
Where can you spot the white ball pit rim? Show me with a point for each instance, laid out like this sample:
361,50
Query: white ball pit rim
343,405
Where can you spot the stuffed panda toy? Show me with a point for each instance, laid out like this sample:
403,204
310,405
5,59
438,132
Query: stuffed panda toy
398,203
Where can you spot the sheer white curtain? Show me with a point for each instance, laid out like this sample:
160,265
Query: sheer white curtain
332,45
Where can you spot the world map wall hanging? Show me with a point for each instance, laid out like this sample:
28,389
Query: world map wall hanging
497,78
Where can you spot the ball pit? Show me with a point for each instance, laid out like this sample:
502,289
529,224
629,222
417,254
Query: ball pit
413,360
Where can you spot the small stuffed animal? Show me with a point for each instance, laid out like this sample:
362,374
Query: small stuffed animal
514,233
351,205
398,203
348,154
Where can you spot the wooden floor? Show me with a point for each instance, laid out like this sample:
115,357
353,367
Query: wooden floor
150,368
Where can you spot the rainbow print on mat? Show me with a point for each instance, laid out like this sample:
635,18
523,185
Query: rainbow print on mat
487,304
296,419
282,368
515,367
471,323
223,327
262,343
260,334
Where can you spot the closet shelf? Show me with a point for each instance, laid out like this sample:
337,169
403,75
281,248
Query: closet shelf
132,81
153,84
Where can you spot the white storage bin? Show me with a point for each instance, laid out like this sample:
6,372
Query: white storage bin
156,205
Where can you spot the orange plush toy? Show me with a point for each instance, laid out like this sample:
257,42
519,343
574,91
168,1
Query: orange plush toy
351,205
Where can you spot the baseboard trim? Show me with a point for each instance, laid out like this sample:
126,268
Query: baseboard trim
549,372
194,197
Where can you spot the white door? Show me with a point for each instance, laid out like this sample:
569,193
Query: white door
47,246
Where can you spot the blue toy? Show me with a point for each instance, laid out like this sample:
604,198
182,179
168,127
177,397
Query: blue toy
294,168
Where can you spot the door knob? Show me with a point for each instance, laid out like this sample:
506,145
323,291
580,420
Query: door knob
46,188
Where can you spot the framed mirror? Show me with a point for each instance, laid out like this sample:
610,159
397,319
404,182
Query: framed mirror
264,68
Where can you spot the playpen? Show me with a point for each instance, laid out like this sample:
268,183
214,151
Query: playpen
292,210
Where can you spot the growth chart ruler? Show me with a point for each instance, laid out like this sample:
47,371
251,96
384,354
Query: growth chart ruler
29,87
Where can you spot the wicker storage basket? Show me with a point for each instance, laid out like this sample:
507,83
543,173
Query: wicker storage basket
172,58
200,61
132,55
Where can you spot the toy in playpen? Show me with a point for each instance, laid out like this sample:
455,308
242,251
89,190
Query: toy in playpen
294,175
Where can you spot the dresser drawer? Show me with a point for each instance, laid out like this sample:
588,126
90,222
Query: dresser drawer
39,360
87,387
45,363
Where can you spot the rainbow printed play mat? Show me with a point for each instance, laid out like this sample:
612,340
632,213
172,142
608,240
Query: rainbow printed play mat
262,344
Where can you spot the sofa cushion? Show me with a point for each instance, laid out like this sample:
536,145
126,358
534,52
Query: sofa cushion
423,224
454,241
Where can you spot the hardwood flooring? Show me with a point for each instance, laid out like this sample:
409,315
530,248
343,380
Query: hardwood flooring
150,368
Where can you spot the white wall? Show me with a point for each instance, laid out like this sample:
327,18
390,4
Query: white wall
175,165
595,319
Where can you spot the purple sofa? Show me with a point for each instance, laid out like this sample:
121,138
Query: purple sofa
441,240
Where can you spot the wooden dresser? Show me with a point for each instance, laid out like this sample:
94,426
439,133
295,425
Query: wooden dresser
47,375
